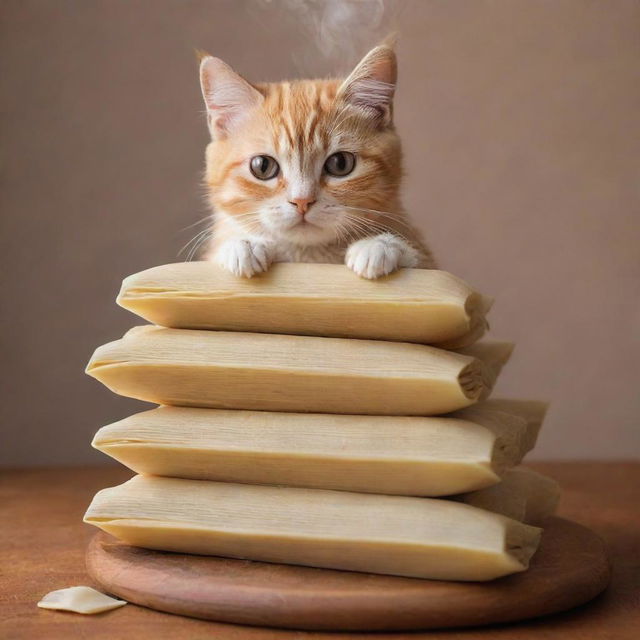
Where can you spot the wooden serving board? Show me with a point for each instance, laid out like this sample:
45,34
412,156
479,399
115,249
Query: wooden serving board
570,568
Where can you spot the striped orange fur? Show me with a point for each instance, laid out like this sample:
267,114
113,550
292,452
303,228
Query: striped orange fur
306,212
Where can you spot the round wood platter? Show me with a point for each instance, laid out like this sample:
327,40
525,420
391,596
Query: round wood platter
570,568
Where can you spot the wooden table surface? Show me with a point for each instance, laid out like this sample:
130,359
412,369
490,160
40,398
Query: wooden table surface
42,543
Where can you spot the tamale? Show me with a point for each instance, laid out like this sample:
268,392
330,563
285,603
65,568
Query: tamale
416,537
410,305
403,455
273,372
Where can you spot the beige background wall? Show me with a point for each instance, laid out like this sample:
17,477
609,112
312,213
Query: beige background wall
520,120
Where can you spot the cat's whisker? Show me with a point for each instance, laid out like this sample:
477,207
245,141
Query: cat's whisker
382,228
253,227
377,211
194,249
247,220
357,225
202,239
250,219
342,234
249,214
393,228
396,217
367,224
197,222
203,235
355,232
195,239
386,227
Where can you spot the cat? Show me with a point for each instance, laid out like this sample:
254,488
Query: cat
307,171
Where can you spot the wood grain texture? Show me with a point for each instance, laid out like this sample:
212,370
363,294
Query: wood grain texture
43,542
570,568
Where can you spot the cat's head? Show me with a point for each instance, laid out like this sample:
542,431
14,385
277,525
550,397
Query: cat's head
309,161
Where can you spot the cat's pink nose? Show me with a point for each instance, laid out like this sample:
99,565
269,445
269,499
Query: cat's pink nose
302,204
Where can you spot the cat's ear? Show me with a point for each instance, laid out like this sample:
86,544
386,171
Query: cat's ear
228,97
372,84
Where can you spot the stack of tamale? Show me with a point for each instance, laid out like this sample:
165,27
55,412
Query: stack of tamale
311,417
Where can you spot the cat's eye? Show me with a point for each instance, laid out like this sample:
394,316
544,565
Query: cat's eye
340,164
264,167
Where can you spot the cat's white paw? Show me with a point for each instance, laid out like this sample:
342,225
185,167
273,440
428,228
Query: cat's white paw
380,255
243,257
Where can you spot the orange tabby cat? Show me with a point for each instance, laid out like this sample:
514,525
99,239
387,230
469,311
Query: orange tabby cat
307,171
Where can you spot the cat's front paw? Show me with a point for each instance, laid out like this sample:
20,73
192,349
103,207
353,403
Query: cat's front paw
380,255
243,257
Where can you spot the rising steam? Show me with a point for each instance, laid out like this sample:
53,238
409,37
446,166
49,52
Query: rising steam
341,30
